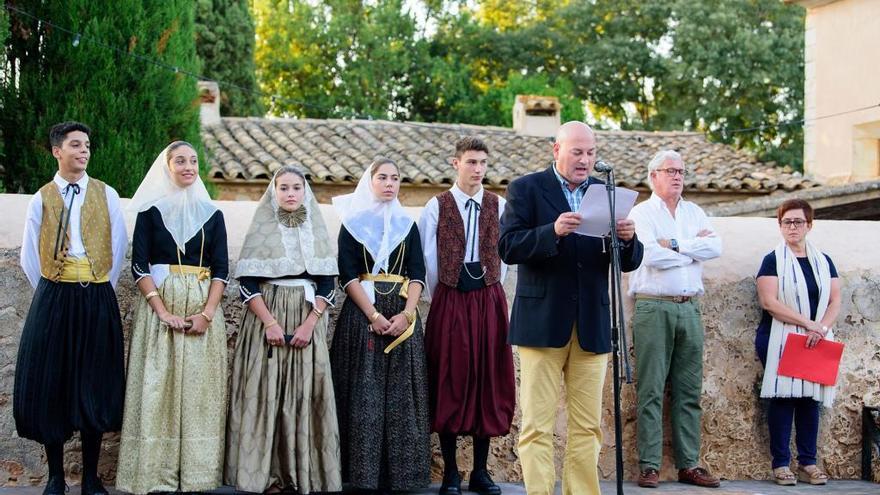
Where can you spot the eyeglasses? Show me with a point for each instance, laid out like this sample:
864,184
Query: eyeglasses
672,172
798,223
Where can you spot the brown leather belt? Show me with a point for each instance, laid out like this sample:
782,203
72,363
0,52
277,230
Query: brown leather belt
675,299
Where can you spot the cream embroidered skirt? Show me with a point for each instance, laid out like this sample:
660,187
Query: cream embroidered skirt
175,398
282,427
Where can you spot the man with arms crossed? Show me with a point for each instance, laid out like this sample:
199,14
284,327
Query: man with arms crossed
667,326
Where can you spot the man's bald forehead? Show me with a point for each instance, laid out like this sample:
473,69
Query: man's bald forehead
573,130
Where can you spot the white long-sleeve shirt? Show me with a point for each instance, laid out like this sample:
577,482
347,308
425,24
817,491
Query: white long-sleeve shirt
428,223
664,272
30,243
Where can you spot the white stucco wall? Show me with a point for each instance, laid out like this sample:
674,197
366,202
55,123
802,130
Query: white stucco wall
842,74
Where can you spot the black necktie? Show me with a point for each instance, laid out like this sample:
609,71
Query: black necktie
473,209
73,188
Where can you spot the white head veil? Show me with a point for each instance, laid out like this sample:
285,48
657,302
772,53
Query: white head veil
184,210
379,225
273,250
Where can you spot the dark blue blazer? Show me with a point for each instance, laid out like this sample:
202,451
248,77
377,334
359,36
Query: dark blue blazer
557,283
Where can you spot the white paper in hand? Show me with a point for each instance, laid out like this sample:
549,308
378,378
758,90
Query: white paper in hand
594,210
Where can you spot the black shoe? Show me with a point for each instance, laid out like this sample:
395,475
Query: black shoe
91,485
55,486
451,484
481,483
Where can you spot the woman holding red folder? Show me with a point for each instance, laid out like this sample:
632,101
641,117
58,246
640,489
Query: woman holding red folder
799,291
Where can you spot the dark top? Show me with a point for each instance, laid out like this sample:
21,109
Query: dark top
561,283
249,287
153,244
768,269
352,253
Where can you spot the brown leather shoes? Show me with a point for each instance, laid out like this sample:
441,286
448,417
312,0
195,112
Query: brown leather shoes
649,478
698,476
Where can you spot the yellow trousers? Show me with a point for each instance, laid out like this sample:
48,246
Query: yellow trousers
542,370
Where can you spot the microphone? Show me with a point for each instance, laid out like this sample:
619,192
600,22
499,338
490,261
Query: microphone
602,167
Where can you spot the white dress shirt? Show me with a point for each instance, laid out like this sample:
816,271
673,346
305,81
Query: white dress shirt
428,223
664,272
30,243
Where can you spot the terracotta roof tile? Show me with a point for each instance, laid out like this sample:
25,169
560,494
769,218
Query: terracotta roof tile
337,151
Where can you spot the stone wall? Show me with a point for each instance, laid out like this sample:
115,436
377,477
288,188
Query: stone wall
735,443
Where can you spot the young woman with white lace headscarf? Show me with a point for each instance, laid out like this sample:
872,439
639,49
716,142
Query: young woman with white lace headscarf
378,354
282,432
175,400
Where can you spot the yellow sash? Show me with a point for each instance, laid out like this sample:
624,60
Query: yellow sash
79,270
404,293
200,272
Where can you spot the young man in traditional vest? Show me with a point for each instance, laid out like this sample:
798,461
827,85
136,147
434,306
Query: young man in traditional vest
470,364
70,371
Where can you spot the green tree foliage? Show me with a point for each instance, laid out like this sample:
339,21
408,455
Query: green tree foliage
225,44
735,65
709,66
338,58
495,106
134,107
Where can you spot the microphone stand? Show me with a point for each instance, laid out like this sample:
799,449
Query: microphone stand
619,346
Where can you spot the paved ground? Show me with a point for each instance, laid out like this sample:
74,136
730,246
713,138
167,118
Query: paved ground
838,487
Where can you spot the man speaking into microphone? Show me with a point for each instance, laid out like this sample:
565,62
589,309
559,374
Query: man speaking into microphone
560,320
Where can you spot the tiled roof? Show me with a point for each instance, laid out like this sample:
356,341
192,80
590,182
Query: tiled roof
337,151
838,195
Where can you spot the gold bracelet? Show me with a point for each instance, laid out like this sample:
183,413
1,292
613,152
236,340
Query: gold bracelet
205,316
267,325
409,315
151,294
319,314
375,316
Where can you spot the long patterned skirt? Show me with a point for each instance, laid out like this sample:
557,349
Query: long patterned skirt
70,370
470,363
381,400
175,398
282,428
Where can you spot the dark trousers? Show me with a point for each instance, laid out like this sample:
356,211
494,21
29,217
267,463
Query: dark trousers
805,413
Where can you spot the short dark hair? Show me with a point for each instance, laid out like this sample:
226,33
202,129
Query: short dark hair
59,132
795,204
470,143
378,162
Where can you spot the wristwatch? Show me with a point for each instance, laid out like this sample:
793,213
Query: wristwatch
673,245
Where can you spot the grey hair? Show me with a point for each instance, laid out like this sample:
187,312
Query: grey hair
659,159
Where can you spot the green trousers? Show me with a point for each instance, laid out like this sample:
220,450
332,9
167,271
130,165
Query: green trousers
668,339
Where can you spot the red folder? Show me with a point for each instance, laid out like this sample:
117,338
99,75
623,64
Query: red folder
819,364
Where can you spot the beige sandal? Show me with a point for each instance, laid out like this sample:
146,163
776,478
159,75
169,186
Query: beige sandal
784,476
812,475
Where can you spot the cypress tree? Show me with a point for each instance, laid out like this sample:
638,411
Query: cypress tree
134,107
225,44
